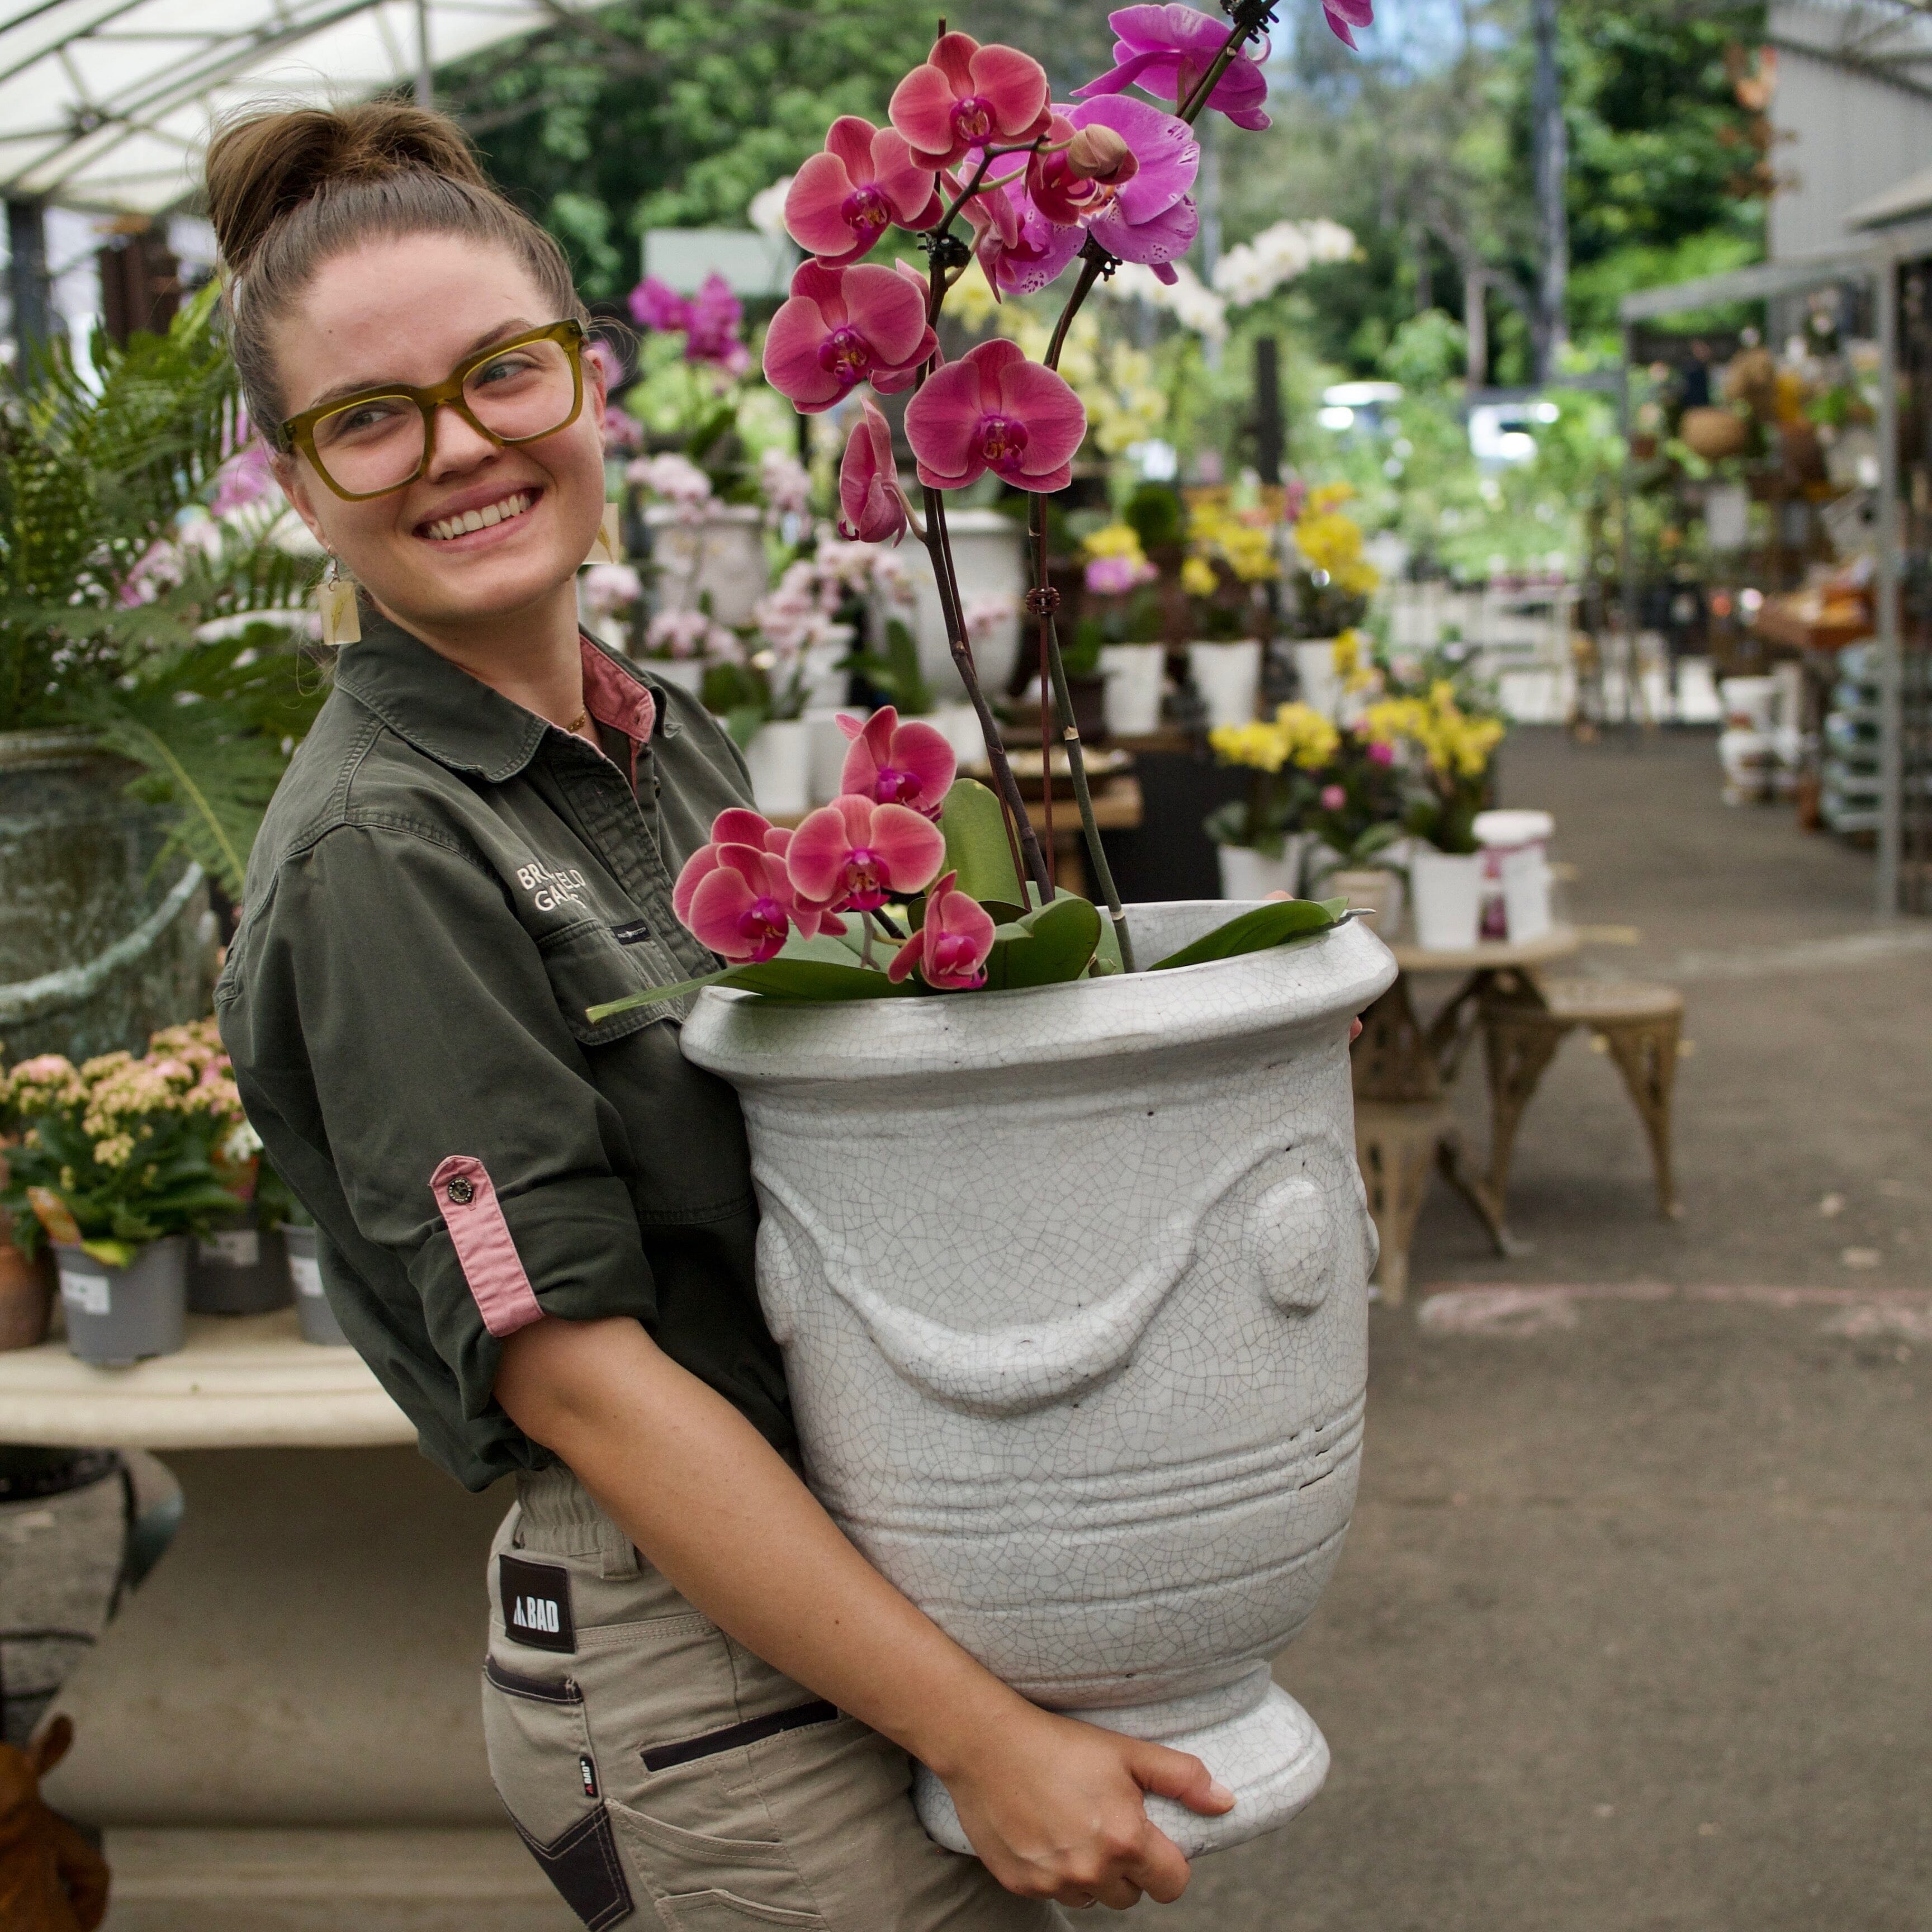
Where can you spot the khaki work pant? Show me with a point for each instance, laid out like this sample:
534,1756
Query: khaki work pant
659,1772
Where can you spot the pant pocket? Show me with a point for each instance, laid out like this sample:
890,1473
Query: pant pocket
538,1742
701,1882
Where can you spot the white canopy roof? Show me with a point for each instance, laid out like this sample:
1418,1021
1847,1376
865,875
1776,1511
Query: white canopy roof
107,103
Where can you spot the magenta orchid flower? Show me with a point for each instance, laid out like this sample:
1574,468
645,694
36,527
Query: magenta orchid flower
993,409
950,949
964,95
851,856
871,507
658,307
1168,50
1020,251
1125,171
1343,14
715,317
841,327
866,181
894,763
736,895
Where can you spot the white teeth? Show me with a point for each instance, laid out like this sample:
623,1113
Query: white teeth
479,519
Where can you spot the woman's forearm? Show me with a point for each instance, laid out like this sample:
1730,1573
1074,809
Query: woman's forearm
714,1507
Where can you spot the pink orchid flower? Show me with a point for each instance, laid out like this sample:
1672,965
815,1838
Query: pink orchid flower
852,855
871,507
1343,14
950,949
864,182
964,95
656,306
993,409
1020,251
736,895
893,764
841,327
1168,50
1125,171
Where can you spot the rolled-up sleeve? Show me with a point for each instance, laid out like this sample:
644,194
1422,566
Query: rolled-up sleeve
389,1016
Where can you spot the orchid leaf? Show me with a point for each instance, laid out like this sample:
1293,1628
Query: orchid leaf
790,976
1277,923
976,845
1054,944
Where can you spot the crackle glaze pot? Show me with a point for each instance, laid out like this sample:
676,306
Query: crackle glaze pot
1072,1285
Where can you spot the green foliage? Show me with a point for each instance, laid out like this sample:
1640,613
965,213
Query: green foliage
1279,922
896,675
1052,944
976,845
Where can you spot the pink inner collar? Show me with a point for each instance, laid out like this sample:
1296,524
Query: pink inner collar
617,703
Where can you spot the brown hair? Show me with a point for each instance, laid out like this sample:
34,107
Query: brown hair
287,189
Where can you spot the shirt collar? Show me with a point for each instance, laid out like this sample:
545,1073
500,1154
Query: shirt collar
459,721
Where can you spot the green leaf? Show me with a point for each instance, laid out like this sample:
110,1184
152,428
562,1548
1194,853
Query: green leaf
1057,945
976,845
815,978
114,1254
1276,923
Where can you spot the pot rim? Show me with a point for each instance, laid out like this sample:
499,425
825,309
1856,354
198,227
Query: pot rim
758,1043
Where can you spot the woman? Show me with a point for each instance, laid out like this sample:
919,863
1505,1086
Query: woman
698,1696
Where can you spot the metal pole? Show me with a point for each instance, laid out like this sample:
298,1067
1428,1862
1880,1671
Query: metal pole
27,277
425,76
1626,544
1891,706
1271,440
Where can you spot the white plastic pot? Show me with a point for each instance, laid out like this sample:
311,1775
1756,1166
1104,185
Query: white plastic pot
1229,677
1446,888
960,725
1374,889
721,555
1515,871
989,559
825,758
1072,1287
686,673
1135,674
780,759
1315,667
1246,874
117,1315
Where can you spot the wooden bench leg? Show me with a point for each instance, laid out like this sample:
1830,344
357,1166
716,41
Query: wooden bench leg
1517,1053
1645,1051
1395,1146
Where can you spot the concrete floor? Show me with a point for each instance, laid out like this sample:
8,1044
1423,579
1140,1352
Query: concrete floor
1633,1631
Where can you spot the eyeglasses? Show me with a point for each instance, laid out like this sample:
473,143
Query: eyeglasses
379,441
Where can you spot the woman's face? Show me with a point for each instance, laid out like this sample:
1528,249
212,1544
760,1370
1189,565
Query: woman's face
409,310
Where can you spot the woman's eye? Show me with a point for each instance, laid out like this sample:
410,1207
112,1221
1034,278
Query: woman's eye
502,369
369,418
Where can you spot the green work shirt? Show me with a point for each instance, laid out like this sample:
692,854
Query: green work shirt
443,884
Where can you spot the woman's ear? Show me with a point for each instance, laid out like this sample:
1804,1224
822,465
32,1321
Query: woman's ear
288,472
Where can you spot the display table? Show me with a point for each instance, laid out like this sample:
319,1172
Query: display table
303,1660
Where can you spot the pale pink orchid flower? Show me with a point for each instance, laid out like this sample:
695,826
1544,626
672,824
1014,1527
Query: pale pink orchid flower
1167,50
871,507
864,182
964,95
852,855
995,409
894,763
841,327
950,949
737,896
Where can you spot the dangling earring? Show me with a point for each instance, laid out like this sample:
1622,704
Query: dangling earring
607,545
335,596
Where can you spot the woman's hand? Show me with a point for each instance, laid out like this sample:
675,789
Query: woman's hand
1054,1808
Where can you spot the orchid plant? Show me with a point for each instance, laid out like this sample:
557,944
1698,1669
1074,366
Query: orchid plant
938,886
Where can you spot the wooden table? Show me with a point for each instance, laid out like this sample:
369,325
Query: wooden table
1401,1069
1117,807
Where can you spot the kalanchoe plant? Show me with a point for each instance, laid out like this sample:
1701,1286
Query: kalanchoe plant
974,138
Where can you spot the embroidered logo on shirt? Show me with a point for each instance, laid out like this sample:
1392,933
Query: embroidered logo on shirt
548,889
536,1604
630,932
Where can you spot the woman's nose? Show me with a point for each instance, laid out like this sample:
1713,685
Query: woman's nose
458,444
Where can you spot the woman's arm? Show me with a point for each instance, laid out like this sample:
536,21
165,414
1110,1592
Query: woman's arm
1053,1806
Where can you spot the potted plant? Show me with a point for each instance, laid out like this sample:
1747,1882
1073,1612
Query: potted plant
119,1163
1230,558
1331,583
1354,817
1122,629
313,1315
1257,839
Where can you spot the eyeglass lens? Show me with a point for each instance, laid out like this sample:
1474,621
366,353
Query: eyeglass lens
378,442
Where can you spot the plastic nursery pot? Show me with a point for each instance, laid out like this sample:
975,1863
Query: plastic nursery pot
1229,677
1315,671
317,1319
1246,874
237,1269
779,758
1373,889
1447,890
1515,872
1133,675
118,1315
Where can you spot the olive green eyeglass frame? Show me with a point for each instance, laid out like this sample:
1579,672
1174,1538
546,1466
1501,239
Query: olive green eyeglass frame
298,432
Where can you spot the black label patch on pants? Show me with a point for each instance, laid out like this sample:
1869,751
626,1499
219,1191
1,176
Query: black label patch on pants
587,1772
536,1604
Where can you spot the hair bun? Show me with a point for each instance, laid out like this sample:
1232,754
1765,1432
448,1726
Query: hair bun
263,165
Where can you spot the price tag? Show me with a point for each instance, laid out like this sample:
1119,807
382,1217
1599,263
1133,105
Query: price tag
306,1271
233,1247
87,1292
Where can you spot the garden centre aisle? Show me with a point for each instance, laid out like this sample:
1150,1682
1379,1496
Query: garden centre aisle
1631,1631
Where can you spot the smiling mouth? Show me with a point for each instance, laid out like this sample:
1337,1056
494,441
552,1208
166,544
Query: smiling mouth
446,529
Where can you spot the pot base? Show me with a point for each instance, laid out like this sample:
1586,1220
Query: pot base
1272,1756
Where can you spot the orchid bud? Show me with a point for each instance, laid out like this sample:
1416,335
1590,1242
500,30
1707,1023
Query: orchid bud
1097,152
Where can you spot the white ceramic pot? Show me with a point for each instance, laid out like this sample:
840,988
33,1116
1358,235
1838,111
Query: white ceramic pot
1135,674
1315,667
116,1315
780,758
1246,874
1072,1286
722,554
1446,888
685,673
989,559
1229,677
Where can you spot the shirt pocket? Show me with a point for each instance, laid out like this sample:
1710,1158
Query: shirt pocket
589,967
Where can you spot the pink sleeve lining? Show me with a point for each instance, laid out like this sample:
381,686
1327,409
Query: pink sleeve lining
467,1200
